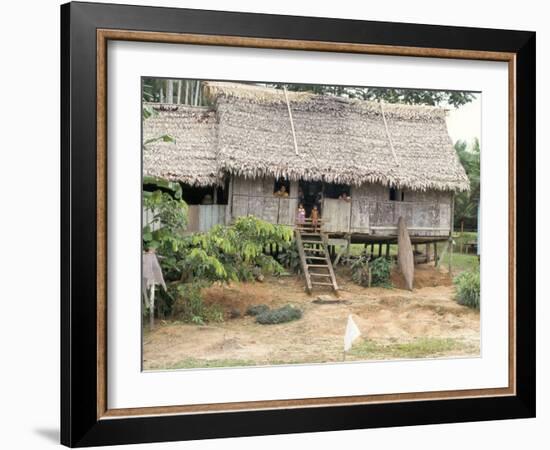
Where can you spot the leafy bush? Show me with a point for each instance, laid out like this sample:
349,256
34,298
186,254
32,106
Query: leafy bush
285,314
468,289
189,305
290,257
256,310
381,270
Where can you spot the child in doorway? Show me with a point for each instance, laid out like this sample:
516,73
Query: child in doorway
301,215
315,218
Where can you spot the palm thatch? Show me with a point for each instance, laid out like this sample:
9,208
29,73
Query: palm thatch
337,140
192,155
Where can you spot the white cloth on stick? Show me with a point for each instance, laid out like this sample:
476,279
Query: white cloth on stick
352,333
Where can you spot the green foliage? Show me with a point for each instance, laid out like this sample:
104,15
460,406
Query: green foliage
285,314
389,95
163,138
189,305
468,289
290,257
223,254
256,310
379,270
169,219
235,252
466,203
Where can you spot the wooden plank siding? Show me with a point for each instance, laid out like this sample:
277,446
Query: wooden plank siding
370,210
336,215
255,197
210,215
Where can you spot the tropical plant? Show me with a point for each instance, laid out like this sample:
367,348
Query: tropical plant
223,254
290,257
389,95
466,203
380,269
376,272
468,289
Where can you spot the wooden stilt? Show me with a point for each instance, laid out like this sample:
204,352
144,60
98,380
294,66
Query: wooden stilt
387,250
435,253
428,253
380,249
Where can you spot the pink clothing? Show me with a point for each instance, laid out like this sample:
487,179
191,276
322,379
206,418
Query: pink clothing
301,217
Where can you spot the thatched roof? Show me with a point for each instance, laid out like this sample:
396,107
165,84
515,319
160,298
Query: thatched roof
191,158
338,140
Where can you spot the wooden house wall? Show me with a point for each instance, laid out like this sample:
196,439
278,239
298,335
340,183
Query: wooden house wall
255,197
370,211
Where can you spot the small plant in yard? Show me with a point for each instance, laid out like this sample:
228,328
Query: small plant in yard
377,270
468,289
285,314
381,270
189,306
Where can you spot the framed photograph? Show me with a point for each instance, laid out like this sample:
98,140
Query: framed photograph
276,224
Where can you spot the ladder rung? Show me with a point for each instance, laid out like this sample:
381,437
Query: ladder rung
316,257
312,242
317,265
320,283
313,274
317,250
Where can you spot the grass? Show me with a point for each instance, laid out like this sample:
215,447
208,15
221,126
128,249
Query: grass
419,348
364,350
461,261
195,363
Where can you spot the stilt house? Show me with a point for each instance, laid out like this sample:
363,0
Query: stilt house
363,164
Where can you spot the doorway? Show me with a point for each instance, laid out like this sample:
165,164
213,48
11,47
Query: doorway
310,194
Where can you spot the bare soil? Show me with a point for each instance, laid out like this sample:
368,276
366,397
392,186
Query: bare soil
390,320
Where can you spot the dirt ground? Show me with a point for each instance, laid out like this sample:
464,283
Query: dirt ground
394,324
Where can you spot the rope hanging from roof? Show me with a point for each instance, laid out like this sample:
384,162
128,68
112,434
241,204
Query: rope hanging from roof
388,133
291,122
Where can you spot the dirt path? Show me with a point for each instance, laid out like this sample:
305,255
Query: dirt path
394,323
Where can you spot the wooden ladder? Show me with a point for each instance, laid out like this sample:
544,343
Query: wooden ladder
314,256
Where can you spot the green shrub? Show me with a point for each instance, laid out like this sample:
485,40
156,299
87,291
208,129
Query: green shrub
381,270
189,305
256,310
285,314
290,257
468,289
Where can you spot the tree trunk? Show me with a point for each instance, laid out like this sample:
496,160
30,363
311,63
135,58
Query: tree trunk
405,256
169,91
179,92
197,90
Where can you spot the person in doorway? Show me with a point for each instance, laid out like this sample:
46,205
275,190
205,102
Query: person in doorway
344,196
281,192
315,218
301,215
319,201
